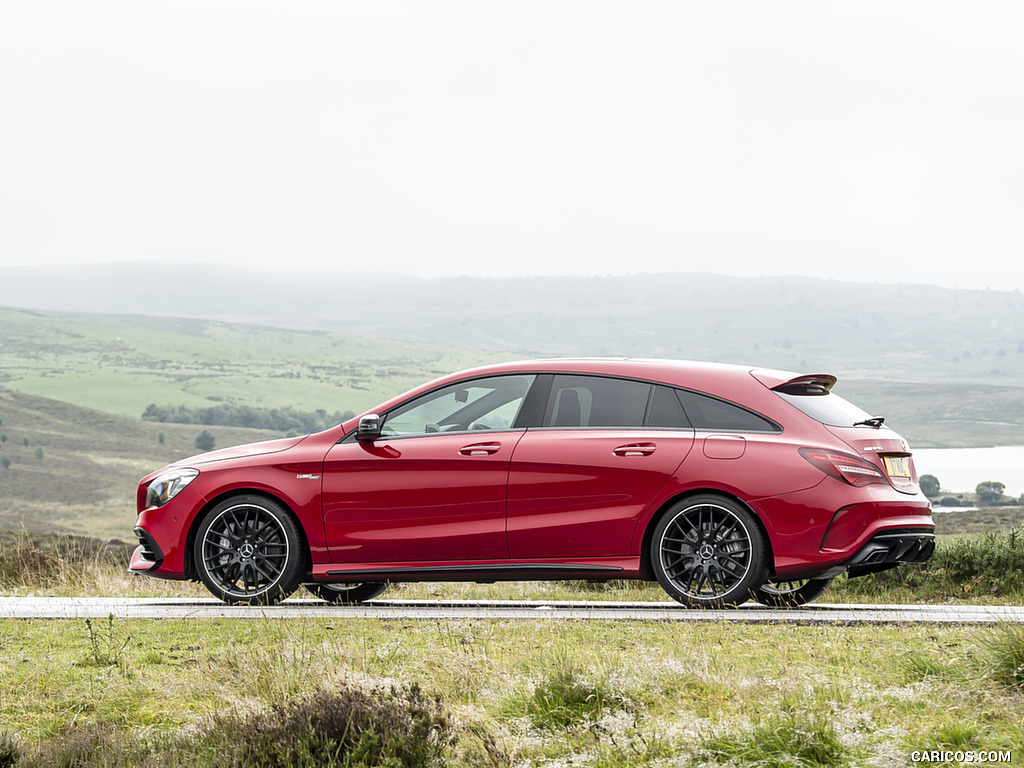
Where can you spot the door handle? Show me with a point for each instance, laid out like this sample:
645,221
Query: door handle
635,449
480,449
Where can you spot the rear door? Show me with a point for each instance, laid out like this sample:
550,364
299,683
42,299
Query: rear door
580,481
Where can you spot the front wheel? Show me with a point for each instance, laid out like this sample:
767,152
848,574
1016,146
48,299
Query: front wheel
249,551
789,594
709,552
347,594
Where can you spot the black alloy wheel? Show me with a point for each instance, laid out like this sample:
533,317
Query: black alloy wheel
347,594
708,552
790,594
249,551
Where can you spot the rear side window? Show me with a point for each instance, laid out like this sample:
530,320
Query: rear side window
711,414
828,409
593,401
666,411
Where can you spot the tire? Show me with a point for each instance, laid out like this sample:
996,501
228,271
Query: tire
249,551
347,594
789,594
709,552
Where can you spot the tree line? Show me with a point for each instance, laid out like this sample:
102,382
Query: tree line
287,420
989,492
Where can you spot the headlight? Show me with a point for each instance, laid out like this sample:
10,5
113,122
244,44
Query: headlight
169,485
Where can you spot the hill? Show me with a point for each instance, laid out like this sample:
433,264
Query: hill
903,332
123,364
75,469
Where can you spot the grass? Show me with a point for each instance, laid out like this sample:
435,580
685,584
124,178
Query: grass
309,692
105,691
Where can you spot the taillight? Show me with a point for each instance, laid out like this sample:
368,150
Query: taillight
844,466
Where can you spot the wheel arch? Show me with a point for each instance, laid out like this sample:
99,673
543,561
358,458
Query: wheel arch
646,567
190,539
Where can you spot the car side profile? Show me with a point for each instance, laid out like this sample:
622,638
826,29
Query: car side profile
721,482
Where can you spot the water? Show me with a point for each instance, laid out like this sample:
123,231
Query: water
961,469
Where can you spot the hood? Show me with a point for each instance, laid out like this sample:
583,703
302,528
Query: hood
241,451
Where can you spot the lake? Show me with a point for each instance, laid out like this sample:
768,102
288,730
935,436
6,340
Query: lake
961,469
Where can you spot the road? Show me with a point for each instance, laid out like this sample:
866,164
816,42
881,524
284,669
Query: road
188,608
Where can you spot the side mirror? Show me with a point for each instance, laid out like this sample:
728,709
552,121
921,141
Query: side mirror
369,427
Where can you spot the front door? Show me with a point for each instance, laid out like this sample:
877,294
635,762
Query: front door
432,487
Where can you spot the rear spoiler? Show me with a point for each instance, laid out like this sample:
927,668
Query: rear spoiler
811,384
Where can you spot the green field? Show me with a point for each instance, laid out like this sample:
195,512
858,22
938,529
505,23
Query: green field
122,364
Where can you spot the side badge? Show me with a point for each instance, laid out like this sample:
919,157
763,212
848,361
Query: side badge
307,477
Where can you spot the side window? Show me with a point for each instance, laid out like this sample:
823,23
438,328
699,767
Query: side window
481,404
666,410
710,413
593,401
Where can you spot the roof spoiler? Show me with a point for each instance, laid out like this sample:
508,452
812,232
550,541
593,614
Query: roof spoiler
811,384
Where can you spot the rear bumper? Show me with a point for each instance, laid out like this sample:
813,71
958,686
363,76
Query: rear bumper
891,548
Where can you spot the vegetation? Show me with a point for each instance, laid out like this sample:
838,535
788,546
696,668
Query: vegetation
986,566
123,365
226,415
470,693
93,461
205,441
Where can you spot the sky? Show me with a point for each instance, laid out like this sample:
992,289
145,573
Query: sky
874,141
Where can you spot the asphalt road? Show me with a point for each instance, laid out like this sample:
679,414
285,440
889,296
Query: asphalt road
816,613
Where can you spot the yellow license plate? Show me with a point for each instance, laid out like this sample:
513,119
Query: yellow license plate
897,466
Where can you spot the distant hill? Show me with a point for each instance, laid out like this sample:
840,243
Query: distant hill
75,470
906,332
124,364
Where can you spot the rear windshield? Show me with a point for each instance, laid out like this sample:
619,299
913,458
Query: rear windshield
828,409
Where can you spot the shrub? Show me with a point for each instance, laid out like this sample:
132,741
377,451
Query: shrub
9,752
352,727
205,441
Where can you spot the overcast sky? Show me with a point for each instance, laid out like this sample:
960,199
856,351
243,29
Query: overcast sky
856,140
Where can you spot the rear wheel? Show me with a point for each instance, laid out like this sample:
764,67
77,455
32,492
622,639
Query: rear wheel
249,551
708,551
789,594
347,594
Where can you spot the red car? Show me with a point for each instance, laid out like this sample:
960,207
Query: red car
721,482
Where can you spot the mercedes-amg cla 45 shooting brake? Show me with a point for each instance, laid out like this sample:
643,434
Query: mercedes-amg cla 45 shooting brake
720,482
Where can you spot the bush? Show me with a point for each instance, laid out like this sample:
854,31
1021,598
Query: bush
352,728
9,752
205,441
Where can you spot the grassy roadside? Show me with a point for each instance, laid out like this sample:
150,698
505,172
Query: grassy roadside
195,692
109,692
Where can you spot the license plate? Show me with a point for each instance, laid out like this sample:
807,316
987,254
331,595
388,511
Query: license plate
897,466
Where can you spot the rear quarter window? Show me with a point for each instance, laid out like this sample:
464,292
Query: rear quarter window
710,413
